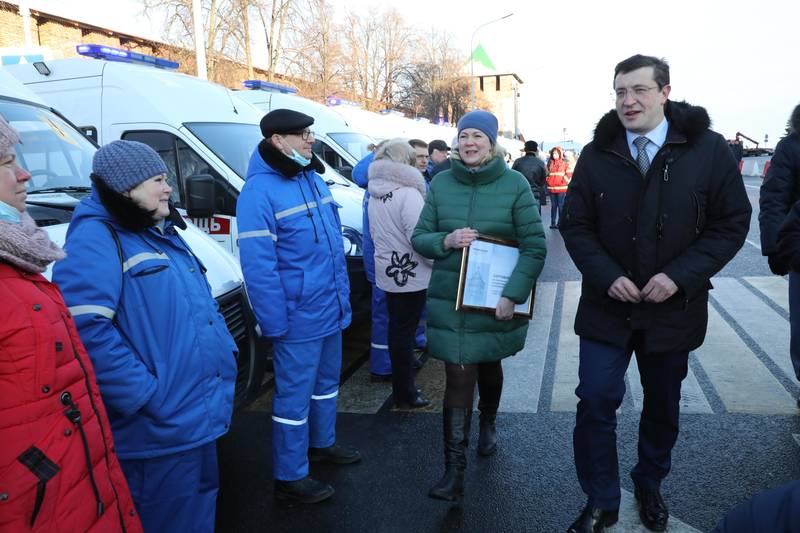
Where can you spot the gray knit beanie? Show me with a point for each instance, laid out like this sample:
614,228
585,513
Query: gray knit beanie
122,165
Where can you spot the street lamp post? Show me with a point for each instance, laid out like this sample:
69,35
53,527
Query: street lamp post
471,51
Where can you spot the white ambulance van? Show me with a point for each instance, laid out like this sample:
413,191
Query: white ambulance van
204,133
337,142
59,159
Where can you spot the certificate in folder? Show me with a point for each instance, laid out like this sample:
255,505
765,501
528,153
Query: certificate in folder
486,266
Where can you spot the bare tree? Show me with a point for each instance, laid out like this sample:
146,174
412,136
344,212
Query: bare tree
313,52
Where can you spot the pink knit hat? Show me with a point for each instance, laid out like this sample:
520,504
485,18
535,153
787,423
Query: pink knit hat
8,137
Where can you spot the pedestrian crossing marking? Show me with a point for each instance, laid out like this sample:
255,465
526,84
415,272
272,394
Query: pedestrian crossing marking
775,288
734,373
629,521
742,382
765,326
523,373
566,374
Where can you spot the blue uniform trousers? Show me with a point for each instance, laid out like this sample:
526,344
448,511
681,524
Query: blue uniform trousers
600,391
379,361
176,492
304,403
420,338
794,319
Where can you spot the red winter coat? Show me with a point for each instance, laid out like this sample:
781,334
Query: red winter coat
50,407
557,173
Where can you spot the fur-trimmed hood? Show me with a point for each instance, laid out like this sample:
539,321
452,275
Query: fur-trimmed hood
794,121
385,176
687,119
282,164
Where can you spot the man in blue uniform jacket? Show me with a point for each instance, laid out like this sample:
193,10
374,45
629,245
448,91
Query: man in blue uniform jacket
293,261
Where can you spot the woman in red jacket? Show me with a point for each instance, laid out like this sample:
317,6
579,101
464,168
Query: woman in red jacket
556,184
58,470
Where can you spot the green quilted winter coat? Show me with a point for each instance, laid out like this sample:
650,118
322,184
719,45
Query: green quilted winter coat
496,201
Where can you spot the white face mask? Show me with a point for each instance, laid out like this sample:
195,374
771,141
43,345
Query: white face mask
9,213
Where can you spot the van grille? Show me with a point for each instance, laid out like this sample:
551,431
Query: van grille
233,306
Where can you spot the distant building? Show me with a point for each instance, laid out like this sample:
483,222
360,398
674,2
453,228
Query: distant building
55,37
501,92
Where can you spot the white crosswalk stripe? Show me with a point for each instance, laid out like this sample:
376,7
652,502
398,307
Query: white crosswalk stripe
733,371
523,373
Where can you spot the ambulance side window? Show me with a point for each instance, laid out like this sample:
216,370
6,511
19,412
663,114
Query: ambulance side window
165,145
180,159
327,154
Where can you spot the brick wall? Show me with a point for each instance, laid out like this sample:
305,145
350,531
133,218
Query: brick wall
10,28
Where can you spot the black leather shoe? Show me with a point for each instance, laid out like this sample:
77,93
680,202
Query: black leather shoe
594,520
418,402
652,509
339,454
306,490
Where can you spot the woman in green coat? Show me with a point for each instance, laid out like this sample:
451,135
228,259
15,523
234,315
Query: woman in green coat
478,195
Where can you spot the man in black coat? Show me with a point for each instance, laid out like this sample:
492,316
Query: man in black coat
779,192
655,208
534,171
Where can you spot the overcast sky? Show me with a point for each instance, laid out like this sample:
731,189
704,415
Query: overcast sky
736,58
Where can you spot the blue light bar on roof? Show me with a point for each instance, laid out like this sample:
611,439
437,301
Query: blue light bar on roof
269,86
109,53
333,101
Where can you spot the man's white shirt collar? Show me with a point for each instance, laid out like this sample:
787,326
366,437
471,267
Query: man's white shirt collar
657,137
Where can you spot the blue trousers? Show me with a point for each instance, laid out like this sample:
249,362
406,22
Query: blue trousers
772,510
304,403
176,492
600,391
556,205
794,320
379,361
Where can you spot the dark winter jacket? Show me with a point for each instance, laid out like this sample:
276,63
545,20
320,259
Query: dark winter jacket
686,218
56,438
441,167
496,201
780,191
534,171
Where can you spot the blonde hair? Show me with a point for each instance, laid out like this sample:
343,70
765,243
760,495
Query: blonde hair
397,150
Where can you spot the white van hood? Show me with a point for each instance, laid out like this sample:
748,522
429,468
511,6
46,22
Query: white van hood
223,274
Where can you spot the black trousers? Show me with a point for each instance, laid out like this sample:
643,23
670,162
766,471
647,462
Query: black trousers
405,310
601,388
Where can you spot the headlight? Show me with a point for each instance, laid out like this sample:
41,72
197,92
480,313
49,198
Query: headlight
352,241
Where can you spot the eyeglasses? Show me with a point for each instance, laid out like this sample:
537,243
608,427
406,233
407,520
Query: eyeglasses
305,134
637,91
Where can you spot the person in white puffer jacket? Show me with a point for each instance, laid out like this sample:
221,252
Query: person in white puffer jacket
396,196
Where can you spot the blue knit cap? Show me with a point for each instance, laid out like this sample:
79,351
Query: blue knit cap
122,165
480,120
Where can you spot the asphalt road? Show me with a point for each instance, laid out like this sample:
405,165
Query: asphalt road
740,429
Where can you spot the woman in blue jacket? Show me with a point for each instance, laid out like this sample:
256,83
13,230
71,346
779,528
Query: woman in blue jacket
164,359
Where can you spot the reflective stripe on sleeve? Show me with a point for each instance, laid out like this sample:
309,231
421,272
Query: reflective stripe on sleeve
379,346
334,394
326,200
78,310
289,422
296,209
144,256
257,233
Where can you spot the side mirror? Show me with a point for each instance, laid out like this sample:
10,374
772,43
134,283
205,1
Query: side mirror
346,171
200,196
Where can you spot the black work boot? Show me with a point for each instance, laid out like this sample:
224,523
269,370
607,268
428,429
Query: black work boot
306,490
487,439
340,454
456,424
